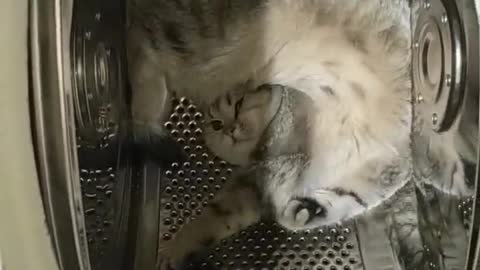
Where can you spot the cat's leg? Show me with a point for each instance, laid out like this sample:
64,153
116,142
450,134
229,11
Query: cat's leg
446,169
151,101
302,201
453,180
234,209
401,215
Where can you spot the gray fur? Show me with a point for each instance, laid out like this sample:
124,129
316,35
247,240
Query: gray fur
315,97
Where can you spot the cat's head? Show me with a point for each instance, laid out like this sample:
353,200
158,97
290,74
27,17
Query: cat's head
317,160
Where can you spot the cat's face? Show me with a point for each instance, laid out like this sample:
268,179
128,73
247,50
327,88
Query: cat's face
318,161
237,121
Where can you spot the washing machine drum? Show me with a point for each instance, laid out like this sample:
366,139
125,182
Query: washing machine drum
129,206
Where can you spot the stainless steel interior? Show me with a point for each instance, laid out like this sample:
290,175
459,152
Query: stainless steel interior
109,207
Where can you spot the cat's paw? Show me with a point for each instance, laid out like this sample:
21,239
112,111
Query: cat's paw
171,257
456,182
177,253
302,212
325,207
164,263
452,180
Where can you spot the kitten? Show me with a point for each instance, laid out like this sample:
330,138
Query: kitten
312,97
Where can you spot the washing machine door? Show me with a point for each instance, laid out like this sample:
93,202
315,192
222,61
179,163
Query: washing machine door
80,114
445,134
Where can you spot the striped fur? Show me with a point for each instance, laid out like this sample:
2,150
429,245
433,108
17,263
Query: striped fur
314,97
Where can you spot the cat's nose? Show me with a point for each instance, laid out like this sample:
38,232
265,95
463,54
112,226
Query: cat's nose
217,124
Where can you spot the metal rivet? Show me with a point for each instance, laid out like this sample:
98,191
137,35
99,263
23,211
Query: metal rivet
181,124
448,80
426,4
180,109
419,98
186,117
174,117
434,119
192,108
444,18
184,101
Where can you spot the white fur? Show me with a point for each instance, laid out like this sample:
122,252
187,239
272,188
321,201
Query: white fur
346,138
306,45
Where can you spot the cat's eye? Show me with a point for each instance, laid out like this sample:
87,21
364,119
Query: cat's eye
238,106
229,99
217,124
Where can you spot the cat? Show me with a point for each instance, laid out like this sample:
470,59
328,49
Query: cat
313,98
351,58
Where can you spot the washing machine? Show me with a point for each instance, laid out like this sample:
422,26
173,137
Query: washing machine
75,194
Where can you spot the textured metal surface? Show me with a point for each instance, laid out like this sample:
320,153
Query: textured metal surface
96,68
269,246
101,118
438,61
466,208
189,186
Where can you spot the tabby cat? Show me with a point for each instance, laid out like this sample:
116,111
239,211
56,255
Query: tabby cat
312,98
